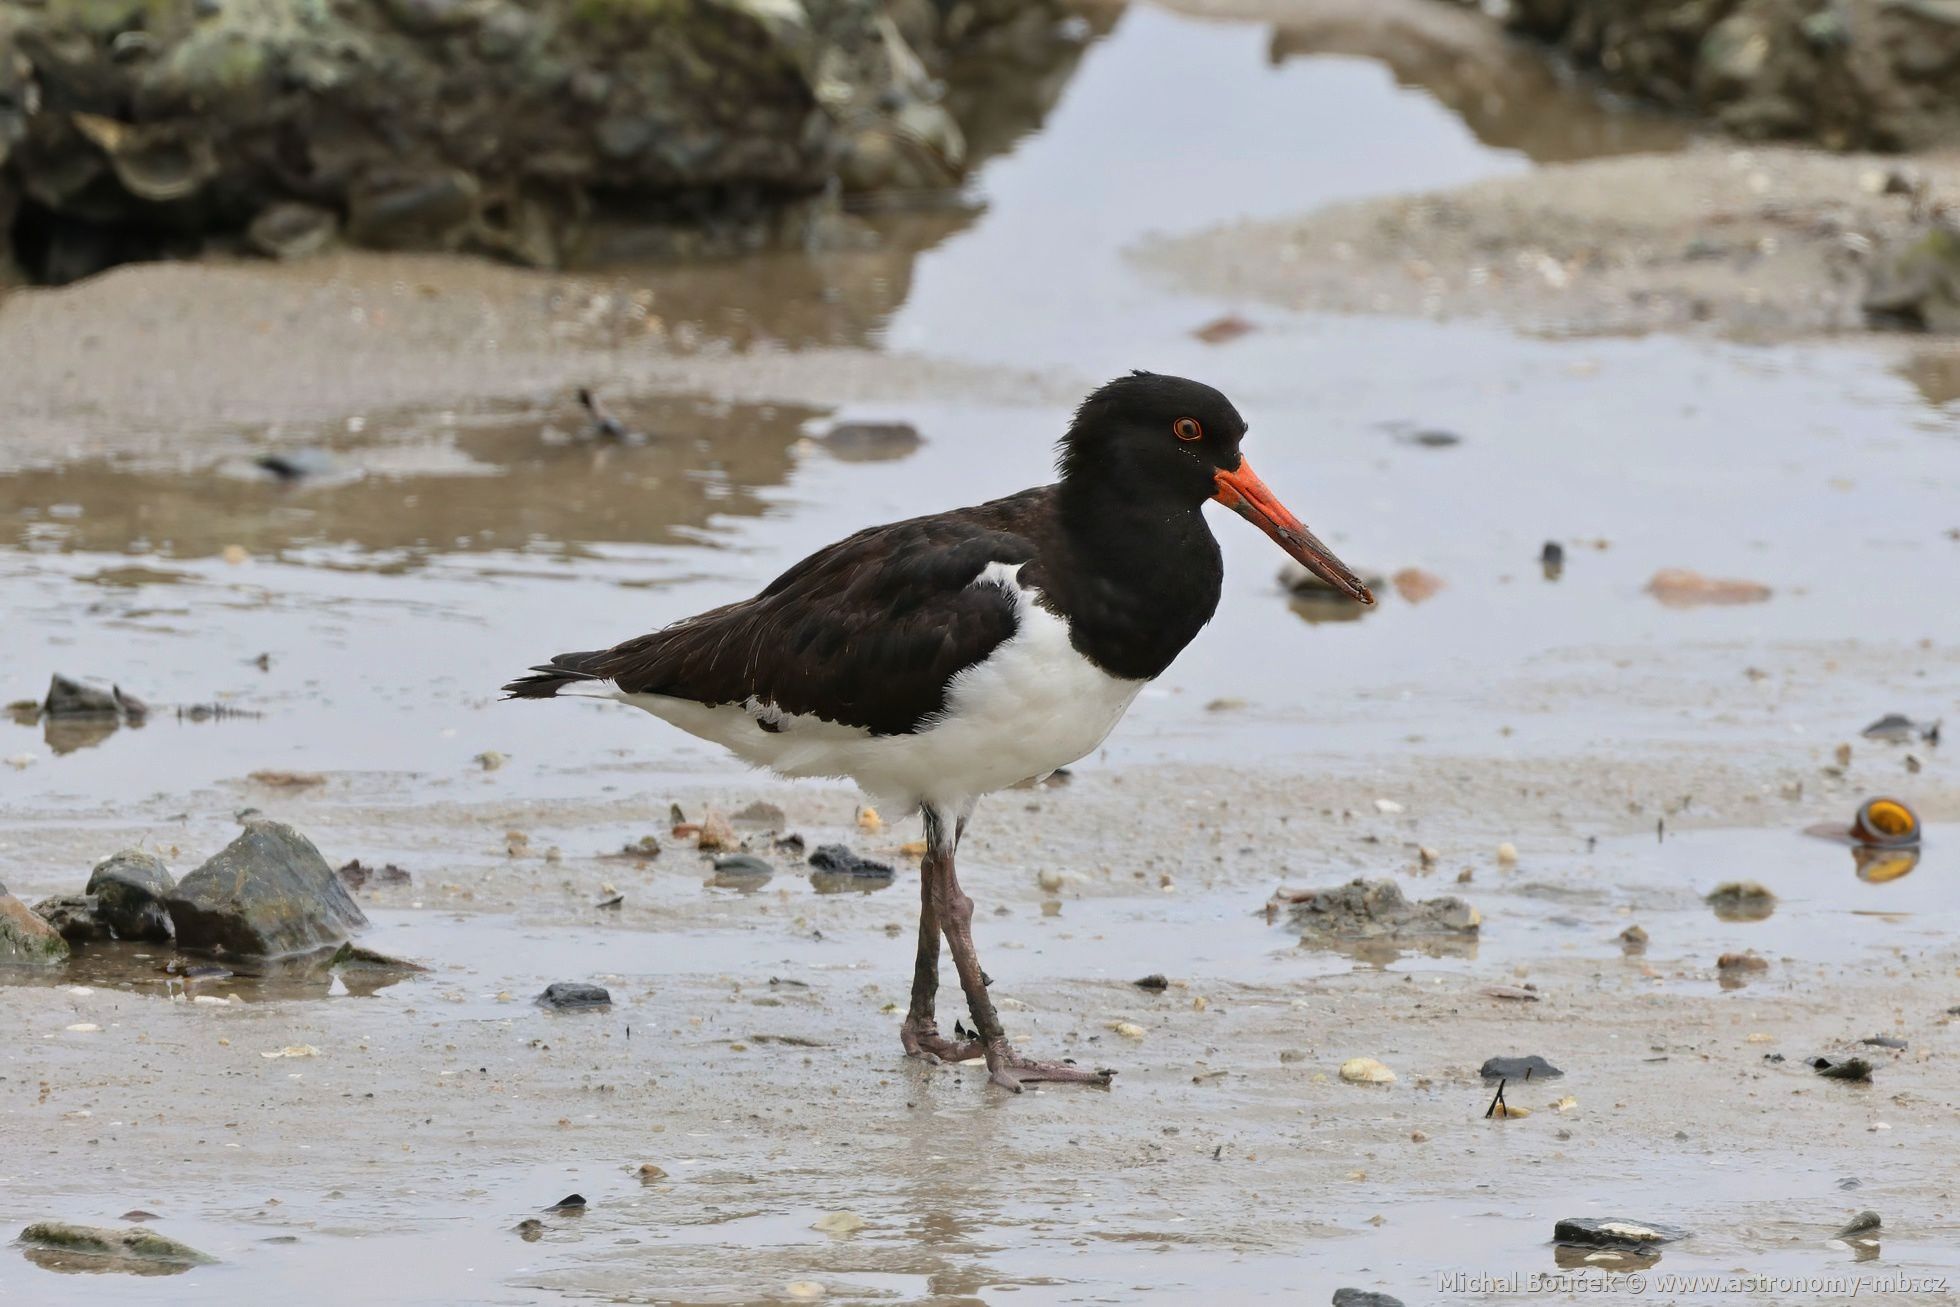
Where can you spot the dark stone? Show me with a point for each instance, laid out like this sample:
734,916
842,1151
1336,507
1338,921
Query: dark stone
1432,438
1851,1068
436,122
570,1204
1551,559
132,889
572,996
267,894
741,871
75,916
25,939
1363,1298
836,870
68,698
1614,1232
1154,982
1532,1067
1865,1222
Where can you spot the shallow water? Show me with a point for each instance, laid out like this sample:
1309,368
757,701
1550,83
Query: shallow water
451,548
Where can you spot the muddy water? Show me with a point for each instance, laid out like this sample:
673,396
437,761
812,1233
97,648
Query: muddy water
357,624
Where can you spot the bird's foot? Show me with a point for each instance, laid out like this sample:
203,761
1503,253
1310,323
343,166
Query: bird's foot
1010,1070
923,1040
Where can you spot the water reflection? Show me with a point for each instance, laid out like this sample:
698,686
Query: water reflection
1505,91
504,484
158,971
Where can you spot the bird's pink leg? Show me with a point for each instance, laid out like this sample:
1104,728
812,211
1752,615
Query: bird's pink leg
920,1030
954,912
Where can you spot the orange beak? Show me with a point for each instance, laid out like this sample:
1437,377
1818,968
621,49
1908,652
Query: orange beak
1245,494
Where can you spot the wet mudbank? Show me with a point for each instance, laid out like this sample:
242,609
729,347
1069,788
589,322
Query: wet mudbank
1865,76
140,129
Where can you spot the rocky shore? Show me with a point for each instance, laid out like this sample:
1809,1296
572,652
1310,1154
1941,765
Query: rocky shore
134,129
1843,75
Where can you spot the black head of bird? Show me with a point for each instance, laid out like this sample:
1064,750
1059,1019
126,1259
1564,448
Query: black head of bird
1156,441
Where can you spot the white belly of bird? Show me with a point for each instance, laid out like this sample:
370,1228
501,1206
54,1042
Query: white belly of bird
1031,706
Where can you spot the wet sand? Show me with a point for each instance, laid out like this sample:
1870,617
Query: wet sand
468,529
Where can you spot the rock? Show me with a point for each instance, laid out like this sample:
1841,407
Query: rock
1614,1232
1749,960
871,442
530,1229
569,1205
1846,76
1741,900
1532,1067
1154,982
532,132
1875,1041
1551,560
839,1223
1375,909
75,916
651,1174
1897,728
1851,1068
1678,587
1363,1298
1366,1071
1865,1222
742,871
100,1248
132,889
573,996
1634,939
1915,283
1507,854
25,939
68,698
835,869
267,894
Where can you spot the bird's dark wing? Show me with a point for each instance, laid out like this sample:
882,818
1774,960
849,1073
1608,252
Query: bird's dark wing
866,632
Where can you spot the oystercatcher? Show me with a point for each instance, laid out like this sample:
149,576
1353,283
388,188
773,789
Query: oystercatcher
939,659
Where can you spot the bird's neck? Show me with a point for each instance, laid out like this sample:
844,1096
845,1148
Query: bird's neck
1147,577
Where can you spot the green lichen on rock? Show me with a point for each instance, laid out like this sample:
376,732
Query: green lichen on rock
139,120
25,939
127,1243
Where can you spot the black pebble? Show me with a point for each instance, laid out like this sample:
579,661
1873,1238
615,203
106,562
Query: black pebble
570,995
1533,1067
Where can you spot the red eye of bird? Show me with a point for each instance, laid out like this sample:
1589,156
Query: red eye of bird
1187,429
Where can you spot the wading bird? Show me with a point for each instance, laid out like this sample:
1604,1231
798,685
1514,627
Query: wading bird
939,659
